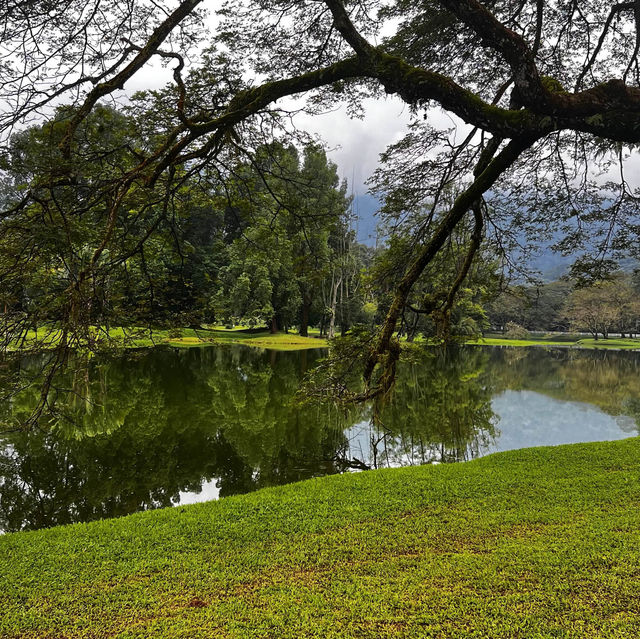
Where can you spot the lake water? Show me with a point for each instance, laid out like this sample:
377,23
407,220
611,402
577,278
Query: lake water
171,426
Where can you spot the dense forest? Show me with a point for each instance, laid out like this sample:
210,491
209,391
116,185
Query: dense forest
270,245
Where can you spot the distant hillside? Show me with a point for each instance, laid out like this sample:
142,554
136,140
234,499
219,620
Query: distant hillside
549,265
365,207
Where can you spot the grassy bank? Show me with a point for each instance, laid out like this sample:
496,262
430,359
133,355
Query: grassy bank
534,543
185,338
189,338
584,342
259,339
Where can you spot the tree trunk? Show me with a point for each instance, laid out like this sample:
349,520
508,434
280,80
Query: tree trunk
274,324
343,320
334,302
304,322
411,332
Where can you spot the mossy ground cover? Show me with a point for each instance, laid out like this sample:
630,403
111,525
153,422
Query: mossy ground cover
533,543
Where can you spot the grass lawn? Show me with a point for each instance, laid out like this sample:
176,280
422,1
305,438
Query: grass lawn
531,544
586,343
261,339
187,337
613,343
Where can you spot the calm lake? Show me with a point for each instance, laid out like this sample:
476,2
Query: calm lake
164,427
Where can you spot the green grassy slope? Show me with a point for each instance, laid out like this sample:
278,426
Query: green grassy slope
533,543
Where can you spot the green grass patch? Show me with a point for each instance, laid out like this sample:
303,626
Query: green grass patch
533,543
183,337
614,343
503,341
188,338
585,343
265,339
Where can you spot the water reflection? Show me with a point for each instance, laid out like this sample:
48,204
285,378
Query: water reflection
441,411
147,428
155,428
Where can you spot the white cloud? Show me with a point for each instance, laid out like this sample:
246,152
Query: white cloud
354,145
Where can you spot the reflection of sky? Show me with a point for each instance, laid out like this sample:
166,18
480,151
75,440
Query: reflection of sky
209,491
359,438
523,419
532,419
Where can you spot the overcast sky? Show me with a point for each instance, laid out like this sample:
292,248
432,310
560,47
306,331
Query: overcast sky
354,145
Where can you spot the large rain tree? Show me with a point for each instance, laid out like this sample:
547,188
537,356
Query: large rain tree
544,93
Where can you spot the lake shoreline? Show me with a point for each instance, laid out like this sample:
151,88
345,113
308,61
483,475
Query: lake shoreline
131,339
198,338
582,344
468,549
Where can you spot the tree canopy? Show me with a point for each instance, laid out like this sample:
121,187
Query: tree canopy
548,91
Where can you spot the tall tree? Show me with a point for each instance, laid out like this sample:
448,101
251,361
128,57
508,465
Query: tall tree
603,307
276,266
594,308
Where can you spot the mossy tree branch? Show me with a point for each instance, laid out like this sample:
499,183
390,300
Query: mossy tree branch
384,350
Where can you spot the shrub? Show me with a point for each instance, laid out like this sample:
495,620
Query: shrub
515,331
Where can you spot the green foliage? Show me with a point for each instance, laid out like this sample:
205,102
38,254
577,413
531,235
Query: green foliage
248,247
604,306
102,257
133,432
515,331
537,308
430,309
95,227
440,410
276,268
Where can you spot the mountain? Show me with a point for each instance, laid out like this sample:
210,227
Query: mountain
365,207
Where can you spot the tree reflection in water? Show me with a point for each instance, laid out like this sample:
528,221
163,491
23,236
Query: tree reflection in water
440,412
134,432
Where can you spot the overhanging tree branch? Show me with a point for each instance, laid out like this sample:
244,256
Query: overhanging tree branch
383,352
117,81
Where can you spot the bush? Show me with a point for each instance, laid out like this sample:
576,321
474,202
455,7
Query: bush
515,331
